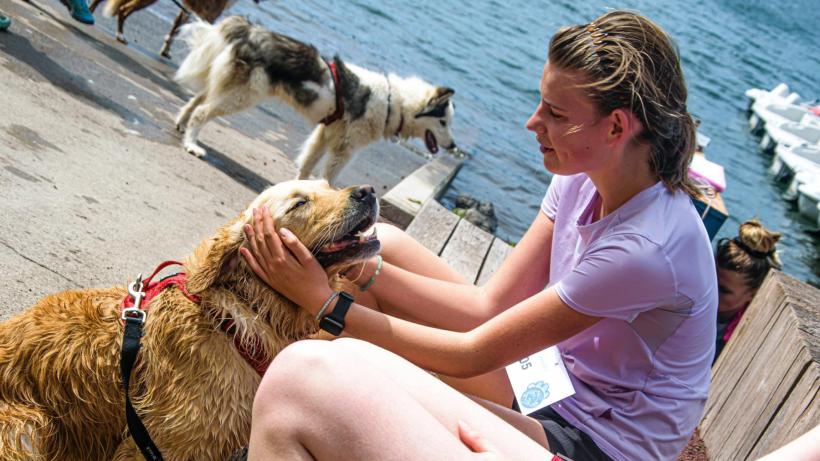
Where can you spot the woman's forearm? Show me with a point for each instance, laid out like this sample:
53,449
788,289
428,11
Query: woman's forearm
447,305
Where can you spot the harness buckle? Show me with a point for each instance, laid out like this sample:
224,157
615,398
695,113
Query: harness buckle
134,312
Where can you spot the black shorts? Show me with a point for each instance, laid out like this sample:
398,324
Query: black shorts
566,440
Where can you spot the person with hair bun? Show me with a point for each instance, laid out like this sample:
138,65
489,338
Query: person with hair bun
616,271
742,264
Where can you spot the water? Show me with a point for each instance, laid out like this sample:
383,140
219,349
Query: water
491,52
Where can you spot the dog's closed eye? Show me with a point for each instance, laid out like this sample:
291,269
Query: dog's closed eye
443,123
296,205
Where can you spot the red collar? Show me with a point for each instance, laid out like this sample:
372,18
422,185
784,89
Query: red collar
255,358
340,102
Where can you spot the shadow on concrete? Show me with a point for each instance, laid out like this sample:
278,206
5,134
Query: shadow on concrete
234,170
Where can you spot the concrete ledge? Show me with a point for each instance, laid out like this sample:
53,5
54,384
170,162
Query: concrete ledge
403,202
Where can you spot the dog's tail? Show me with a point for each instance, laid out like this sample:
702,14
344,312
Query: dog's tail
205,42
112,7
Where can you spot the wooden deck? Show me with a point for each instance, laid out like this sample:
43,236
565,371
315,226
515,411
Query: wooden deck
766,382
471,251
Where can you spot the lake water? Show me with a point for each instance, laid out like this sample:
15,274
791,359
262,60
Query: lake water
491,53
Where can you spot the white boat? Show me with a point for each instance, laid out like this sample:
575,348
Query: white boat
781,90
809,200
806,131
809,176
789,160
774,112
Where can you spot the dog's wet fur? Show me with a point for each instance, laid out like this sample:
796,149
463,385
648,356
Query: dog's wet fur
234,65
61,396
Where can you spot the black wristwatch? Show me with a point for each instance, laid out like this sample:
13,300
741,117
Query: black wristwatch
334,322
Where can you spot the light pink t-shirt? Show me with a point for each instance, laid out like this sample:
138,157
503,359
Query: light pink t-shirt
642,373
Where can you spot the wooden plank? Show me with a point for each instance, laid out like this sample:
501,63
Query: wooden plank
499,250
765,384
433,226
404,201
756,387
466,250
797,415
761,316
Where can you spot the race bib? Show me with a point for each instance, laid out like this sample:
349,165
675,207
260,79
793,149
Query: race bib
539,380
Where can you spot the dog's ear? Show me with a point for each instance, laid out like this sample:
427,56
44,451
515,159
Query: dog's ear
437,105
215,258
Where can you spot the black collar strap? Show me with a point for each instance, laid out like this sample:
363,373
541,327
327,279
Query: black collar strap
340,102
389,110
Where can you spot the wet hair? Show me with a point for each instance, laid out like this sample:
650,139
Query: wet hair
752,253
629,62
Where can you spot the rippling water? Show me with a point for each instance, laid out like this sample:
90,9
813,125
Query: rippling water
492,52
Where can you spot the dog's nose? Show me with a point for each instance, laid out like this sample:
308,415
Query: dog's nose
451,146
361,192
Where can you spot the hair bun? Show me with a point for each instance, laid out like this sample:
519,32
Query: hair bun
758,241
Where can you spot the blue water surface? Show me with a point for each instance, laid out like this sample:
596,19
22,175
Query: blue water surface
491,52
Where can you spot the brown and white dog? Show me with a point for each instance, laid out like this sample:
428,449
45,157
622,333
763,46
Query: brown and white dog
208,10
234,65
61,395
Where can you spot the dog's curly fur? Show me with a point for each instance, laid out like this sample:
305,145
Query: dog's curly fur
61,395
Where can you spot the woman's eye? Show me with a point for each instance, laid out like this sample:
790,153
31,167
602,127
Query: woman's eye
297,205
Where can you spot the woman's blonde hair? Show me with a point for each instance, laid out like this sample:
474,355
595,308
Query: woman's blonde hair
752,253
631,63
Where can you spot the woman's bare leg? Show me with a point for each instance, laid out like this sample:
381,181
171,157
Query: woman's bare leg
326,400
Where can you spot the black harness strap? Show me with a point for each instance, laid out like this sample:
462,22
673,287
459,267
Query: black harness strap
130,349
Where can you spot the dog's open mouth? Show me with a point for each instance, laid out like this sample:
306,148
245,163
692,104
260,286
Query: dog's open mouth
360,242
430,142
364,232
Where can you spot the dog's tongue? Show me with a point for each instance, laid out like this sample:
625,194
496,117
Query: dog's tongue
430,142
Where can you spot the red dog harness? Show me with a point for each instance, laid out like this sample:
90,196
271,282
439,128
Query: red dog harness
255,358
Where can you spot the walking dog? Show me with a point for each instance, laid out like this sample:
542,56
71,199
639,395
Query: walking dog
206,339
208,10
234,65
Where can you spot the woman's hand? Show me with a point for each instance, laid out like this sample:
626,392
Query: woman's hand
478,443
284,263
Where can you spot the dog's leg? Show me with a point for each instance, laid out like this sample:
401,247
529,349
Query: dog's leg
312,151
121,15
185,113
200,116
24,432
337,160
93,6
181,19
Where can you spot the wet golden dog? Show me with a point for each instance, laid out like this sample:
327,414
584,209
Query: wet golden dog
61,395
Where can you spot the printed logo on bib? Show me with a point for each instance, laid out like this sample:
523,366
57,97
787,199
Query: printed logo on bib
535,394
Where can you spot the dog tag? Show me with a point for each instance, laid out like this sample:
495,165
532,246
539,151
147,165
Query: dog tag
539,380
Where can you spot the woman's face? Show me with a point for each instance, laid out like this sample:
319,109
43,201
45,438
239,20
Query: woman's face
569,128
734,293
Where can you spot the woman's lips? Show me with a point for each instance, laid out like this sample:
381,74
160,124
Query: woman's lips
546,150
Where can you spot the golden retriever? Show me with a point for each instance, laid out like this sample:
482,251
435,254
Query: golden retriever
61,396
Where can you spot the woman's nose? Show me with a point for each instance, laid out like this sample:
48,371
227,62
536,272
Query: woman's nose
535,123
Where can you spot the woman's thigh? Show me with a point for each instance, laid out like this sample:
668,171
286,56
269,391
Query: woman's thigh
373,404
436,394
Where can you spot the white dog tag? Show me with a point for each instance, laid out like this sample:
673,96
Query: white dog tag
539,380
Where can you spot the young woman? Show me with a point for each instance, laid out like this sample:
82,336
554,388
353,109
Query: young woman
742,265
616,269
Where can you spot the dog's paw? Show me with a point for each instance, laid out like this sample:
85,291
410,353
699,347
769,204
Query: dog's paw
193,149
121,39
180,127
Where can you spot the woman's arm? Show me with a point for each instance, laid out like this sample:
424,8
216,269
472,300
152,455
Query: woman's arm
536,322
462,307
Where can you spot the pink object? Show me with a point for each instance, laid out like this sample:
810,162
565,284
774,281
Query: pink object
711,172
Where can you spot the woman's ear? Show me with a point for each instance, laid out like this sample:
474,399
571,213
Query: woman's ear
623,125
